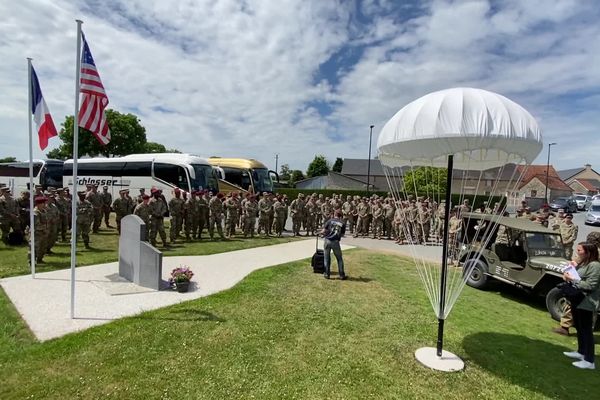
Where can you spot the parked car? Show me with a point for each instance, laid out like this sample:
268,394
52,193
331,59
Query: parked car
566,203
593,215
532,261
583,201
596,197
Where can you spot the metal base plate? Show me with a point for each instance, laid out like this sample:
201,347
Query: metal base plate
448,362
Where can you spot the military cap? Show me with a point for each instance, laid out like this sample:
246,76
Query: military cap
122,191
104,187
176,190
2,185
569,216
82,193
40,199
594,238
145,197
89,185
154,190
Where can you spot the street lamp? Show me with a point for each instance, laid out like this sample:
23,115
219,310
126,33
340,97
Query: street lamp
276,161
369,164
547,171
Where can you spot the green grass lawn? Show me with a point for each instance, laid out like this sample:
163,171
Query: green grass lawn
286,333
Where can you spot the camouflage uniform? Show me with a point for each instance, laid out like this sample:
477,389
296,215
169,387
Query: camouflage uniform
310,216
215,219
53,217
40,230
142,210
176,206
399,218
388,217
122,207
377,211
362,222
297,213
250,211
158,209
423,225
64,206
232,215
348,209
106,198
94,197
454,231
85,216
264,209
280,211
203,214
24,206
191,217
9,215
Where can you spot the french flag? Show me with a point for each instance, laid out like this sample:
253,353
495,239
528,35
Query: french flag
41,114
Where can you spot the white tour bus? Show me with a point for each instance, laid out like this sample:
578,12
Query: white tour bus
164,171
15,175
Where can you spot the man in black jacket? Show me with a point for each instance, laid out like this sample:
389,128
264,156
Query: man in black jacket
333,230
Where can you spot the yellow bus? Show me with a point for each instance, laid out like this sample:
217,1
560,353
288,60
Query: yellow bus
245,174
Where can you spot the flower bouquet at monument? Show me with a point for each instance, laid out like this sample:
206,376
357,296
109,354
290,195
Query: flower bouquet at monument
180,278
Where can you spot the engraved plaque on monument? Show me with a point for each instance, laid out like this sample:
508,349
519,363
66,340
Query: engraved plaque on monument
139,261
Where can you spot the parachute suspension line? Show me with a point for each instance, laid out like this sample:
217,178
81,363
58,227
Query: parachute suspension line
442,314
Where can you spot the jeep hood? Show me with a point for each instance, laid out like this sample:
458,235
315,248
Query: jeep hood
555,264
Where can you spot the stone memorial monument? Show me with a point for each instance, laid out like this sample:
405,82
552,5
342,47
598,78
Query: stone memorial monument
139,261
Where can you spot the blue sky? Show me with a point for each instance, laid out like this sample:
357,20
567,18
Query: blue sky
300,77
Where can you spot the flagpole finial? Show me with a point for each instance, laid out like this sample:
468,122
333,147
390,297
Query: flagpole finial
29,58
79,21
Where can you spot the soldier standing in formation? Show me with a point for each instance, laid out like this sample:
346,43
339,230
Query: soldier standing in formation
9,214
297,213
280,211
106,198
191,217
231,206
215,205
142,210
176,206
122,207
158,209
53,215
250,211
64,207
85,217
264,210
40,230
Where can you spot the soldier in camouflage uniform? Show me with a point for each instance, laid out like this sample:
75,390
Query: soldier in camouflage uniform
399,217
191,216
297,213
280,211
23,203
94,197
176,205
423,223
63,207
9,214
158,209
362,222
264,209
203,212
53,215
320,201
388,217
250,212
122,207
106,198
142,210
85,217
348,209
286,201
310,215
378,214
215,206
40,229
231,206
139,198
327,209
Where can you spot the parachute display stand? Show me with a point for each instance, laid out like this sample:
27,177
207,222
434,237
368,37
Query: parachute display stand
474,131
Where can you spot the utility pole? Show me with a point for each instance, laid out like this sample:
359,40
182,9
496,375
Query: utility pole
276,161
369,164
547,171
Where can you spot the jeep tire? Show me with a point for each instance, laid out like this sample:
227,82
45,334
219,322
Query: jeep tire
555,303
477,270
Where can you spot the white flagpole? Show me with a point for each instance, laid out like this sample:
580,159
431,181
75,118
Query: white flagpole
31,188
75,155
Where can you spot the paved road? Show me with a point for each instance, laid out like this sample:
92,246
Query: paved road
584,229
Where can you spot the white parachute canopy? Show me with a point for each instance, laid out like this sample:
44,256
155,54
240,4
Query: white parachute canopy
480,128
492,140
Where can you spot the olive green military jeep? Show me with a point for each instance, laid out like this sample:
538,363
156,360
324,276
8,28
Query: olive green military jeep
532,260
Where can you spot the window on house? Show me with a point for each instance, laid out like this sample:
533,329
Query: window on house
534,193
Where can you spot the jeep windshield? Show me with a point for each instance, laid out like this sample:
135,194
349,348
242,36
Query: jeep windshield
544,244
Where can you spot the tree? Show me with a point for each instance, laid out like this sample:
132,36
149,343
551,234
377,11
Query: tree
8,159
152,147
296,176
285,173
426,180
337,165
128,136
317,167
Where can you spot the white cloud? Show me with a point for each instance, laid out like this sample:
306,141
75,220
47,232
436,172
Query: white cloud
241,78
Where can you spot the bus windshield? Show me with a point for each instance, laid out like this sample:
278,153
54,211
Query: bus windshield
205,178
262,180
53,175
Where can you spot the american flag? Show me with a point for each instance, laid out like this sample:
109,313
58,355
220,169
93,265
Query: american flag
93,99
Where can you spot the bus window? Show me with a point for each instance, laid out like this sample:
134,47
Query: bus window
204,178
53,175
172,174
262,180
236,176
137,168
